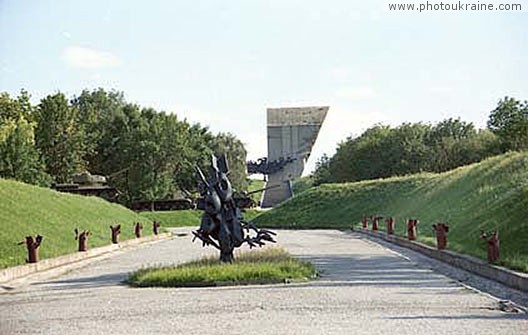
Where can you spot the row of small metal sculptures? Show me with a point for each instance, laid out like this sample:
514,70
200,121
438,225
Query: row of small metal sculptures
222,224
33,244
441,230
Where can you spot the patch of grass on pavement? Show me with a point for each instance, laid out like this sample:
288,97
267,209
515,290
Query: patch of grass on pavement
270,264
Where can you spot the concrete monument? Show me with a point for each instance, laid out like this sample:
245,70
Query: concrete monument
291,135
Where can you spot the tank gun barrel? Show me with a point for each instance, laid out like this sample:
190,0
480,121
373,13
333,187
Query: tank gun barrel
263,189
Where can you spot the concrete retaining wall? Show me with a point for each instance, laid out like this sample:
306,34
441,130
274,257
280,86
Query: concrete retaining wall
505,276
20,271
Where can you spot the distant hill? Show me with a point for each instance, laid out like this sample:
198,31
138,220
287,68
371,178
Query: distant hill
28,210
486,195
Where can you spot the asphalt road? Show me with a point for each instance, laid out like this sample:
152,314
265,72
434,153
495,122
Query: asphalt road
364,288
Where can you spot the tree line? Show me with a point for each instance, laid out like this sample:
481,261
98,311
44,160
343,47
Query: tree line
383,151
145,153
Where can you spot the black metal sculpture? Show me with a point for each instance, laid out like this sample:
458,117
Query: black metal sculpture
222,225
262,165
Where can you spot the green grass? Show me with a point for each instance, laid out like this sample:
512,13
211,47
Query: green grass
271,264
184,218
188,217
253,185
302,184
29,210
251,213
487,195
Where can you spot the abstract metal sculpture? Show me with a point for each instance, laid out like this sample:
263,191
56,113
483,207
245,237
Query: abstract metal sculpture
222,225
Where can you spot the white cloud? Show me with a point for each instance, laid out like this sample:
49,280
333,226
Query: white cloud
66,35
87,58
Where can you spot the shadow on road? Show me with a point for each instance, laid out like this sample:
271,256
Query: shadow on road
347,270
112,279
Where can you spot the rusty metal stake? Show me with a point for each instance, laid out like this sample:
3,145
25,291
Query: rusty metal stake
155,227
365,222
375,222
82,238
492,245
115,233
411,229
137,229
441,230
33,246
390,225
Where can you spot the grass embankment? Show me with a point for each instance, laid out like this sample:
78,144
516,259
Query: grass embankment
30,210
188,217
271,264
253,185
483,196
302,184
183,218
192,218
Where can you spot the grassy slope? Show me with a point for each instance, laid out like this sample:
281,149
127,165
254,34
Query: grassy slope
302,184
184,218
28,210
487,195
191,218
188,218
253,185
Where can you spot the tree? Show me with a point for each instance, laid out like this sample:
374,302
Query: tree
19,158
509,121
233,148
322,170
12,109
59,137
382,151
95,111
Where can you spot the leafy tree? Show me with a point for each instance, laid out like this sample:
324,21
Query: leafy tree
59,137
509,121
146,154
19,158
448,141
382,151
12,109
95,111
228,144
322,170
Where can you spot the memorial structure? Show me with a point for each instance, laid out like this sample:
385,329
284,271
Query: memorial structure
222,225
291,135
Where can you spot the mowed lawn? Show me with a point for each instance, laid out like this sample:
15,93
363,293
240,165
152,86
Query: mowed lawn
188,217
30,210
492,194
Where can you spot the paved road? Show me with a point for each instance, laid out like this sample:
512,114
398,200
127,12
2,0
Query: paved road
364,289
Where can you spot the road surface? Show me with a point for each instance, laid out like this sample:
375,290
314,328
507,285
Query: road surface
364,288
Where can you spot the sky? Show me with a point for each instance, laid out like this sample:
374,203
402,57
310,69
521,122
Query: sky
223,63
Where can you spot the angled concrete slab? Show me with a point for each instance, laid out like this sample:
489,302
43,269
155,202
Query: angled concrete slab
292,132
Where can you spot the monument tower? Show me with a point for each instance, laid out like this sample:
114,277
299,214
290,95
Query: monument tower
291,134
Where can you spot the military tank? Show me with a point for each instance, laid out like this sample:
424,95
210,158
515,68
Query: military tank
242,199
162,205
89,185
